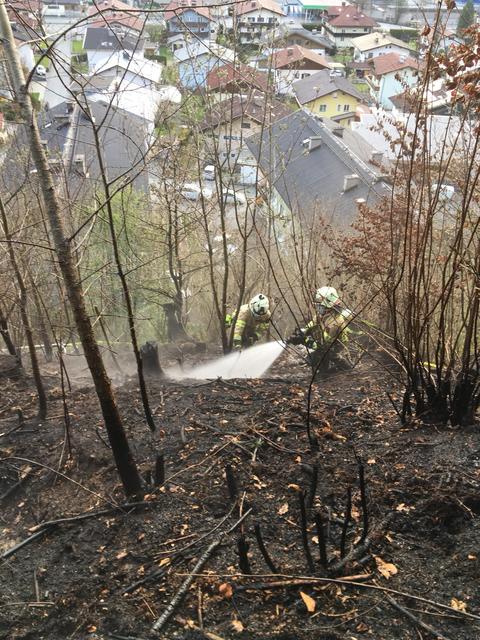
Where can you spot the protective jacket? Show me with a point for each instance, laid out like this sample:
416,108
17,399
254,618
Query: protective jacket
248,326
328,328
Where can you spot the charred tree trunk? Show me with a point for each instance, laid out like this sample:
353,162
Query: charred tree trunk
42,397
5,333
124,460
45,337
175,329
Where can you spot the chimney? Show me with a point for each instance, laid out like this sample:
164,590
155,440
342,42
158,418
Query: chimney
350,182
338,131
376,157
290,51
315,142
79,164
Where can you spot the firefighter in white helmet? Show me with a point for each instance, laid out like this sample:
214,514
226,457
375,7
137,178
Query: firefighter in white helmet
251,322
327,334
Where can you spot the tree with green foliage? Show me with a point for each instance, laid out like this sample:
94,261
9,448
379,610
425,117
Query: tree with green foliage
467,17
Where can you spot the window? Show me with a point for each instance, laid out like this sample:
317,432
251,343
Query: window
346,107
339,107
305,75
245,125
322,108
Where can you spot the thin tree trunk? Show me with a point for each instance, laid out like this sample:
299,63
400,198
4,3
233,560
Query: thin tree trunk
37,376
123,457
42,327
5,333
123,279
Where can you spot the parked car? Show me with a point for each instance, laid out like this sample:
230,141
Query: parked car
192,191
231,197
209,172
41,71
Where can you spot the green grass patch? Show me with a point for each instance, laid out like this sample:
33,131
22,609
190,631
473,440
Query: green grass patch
361,86
77,47
39,59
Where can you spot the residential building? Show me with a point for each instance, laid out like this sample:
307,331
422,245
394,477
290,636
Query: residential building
289,34
188,18
343,24
196,59
390,75
70,6
117,15
308,10
328,96
237,77
436,135
68,137
291,64
312,172
130,72
227,126
254,18
378,44
101,43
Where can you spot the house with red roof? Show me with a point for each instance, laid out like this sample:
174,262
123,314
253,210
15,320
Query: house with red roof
291,64
236,77
230,122
189,18
117,15
254,18
390,75
344,23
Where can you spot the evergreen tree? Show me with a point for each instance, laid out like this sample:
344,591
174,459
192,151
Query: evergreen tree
467,17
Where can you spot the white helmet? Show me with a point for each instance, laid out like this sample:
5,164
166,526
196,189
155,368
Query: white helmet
327,297
259,305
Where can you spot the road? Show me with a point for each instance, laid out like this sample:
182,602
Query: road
58,75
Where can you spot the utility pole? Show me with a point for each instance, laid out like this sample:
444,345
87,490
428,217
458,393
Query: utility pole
126,466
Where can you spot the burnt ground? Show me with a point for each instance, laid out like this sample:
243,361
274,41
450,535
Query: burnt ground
113,574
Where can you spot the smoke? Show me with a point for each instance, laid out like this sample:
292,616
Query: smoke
249,363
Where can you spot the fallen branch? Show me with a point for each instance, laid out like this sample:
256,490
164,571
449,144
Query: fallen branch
360,550
92,514
160,623
416,621
190,625
17,547
16,486
352,581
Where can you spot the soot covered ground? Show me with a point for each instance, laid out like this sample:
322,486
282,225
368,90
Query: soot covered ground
111,575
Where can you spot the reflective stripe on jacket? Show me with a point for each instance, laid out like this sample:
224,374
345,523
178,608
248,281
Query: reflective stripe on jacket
248,324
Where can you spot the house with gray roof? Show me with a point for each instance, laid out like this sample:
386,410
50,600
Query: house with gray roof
312,170
67,135
100,43
292,33
329,95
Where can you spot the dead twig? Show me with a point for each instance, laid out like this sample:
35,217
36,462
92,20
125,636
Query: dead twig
92,514
17,547
263,549
416,621
160,623
190,625
354,581
360,550
303,526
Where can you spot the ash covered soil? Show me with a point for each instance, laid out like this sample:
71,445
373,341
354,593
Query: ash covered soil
113,574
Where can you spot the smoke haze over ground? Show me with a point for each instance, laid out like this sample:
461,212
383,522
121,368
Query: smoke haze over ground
249,363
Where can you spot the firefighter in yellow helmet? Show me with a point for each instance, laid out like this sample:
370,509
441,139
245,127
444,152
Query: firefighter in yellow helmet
251,322
326,335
